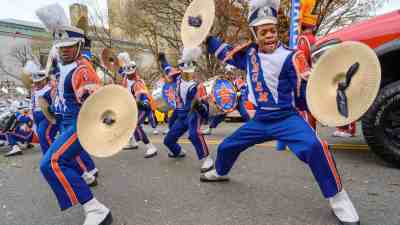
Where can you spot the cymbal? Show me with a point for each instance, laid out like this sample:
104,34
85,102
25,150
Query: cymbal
197,22
107,120
343,84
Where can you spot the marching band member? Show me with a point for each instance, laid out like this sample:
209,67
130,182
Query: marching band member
138,89
77,80
189,110
46,130
22,131
241,89
274,77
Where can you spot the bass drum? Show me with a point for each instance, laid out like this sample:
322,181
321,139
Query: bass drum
164,96
222,96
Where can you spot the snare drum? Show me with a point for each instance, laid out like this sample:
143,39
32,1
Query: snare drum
222,96
164,96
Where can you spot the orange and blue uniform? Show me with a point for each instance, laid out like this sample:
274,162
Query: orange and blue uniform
76,82
276,84
46,131
138,89
23,131
189,112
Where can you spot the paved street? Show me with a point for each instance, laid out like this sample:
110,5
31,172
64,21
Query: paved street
267,188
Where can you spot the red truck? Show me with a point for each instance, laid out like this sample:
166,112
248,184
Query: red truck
381,123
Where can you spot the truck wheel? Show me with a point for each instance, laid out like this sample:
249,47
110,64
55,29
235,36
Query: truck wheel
381,124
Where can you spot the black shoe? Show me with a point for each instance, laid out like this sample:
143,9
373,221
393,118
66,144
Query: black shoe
345,223
181,155
131,148
94,183
108,220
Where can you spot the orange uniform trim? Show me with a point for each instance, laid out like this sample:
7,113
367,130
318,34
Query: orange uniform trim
332,165
302,68
84,79
48,138
58,172
81,164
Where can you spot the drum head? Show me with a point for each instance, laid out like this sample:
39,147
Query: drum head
224,95
168,94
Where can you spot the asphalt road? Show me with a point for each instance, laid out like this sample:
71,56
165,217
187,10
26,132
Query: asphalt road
267,188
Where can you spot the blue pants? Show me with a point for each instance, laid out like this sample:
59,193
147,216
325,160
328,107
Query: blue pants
242,110
172,120
216,120
85,162
300,138
58,167
192,122
139,133
47,133
19,136
149,114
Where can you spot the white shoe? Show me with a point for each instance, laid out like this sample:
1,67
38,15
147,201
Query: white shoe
89,179
213,176
207,131
14,151
344,209
208,164
151,151
96,213
166,131
23,146
182,154
94,172
132,144
156,132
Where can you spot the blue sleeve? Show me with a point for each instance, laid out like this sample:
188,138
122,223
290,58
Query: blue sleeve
47,96
299,95
222,50
24,119
192,92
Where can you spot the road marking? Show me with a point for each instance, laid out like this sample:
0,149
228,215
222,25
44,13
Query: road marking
336,147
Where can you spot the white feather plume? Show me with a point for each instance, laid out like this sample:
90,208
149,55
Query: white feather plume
52,16
31,67
255,4
191,54
124,58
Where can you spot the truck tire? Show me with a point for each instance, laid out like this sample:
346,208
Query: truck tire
381,124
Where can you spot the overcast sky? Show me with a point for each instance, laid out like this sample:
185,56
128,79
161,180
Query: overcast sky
25,9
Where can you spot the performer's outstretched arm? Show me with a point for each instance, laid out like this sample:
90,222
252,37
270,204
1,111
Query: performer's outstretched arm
225,52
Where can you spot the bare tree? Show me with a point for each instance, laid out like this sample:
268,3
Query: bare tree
12,63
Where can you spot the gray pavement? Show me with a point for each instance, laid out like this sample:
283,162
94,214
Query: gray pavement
267,188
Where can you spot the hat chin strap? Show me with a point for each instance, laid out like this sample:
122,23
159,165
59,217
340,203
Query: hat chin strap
253,32
78,50
75,57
